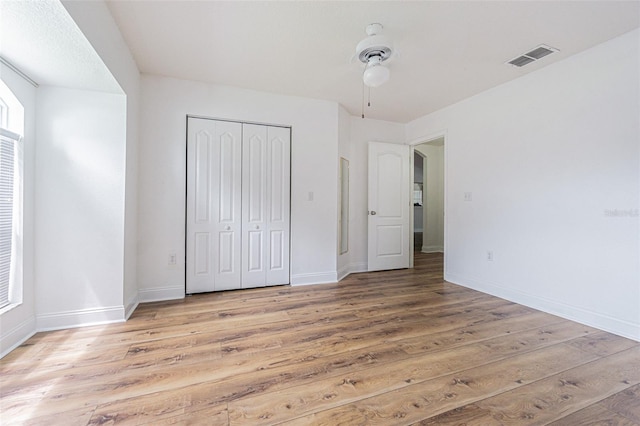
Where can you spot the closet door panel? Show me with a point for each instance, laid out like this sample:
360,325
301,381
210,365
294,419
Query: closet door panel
254,178
202,193
279,176
228,195
214,151
200,226
202,258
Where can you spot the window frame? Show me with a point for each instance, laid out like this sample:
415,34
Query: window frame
13,285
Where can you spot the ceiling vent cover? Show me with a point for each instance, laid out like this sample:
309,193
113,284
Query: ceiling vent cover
533,55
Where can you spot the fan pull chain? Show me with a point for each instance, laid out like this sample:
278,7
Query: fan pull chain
369,100
363,99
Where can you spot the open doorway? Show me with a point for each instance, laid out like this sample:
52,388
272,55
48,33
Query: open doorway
428,190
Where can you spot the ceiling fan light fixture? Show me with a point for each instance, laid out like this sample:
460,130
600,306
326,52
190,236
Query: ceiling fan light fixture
375,74
373,51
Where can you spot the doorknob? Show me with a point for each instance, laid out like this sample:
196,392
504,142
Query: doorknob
373,213
257,227
228,228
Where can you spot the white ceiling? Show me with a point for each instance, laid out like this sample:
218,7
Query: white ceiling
42,41
448,50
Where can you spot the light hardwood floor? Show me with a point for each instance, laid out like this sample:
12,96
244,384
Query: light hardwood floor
388,348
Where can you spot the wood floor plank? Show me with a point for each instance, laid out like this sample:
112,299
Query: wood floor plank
594,415
74,417
603,343
429,397
476,332
433,362
626,402
560,395
390,347
177,412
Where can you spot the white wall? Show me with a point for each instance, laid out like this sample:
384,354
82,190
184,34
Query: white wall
165,102
79,221
19,323
433,196
363,131
85,266
548,157
98,26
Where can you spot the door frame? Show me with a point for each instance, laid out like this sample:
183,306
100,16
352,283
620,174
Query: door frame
419,141
186,188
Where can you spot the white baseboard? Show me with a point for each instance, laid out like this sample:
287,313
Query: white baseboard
17,336
314,278
343,272
561,309
160,293
80,318
432,249
131,306
352,268
356,267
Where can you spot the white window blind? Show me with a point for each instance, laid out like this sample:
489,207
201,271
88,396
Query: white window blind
8,141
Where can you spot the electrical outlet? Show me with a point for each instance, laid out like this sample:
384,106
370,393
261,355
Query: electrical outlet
468,196
490,255
173,259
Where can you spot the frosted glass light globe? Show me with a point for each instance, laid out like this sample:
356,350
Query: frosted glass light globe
376,75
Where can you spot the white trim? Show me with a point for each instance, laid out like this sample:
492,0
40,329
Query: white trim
429,138
160,293
432,249
80,318
573,313
8,134
356,267
314,278
352,268
17,336
343,272
15,69
131,306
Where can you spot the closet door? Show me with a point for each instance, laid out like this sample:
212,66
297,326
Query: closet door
278,204
214,161
265,205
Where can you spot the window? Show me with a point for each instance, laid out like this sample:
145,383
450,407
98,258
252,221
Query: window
10,203
417,194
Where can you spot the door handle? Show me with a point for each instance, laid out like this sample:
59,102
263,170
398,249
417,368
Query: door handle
257,227
227,228
373,213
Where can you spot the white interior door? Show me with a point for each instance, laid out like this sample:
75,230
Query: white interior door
265,205
214,150
389,206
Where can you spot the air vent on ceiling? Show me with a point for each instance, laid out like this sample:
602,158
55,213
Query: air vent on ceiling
533,55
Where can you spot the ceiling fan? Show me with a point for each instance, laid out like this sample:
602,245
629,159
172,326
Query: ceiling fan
373,51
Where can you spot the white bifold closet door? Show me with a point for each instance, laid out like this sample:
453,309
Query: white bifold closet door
238,197
214,222
265,205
